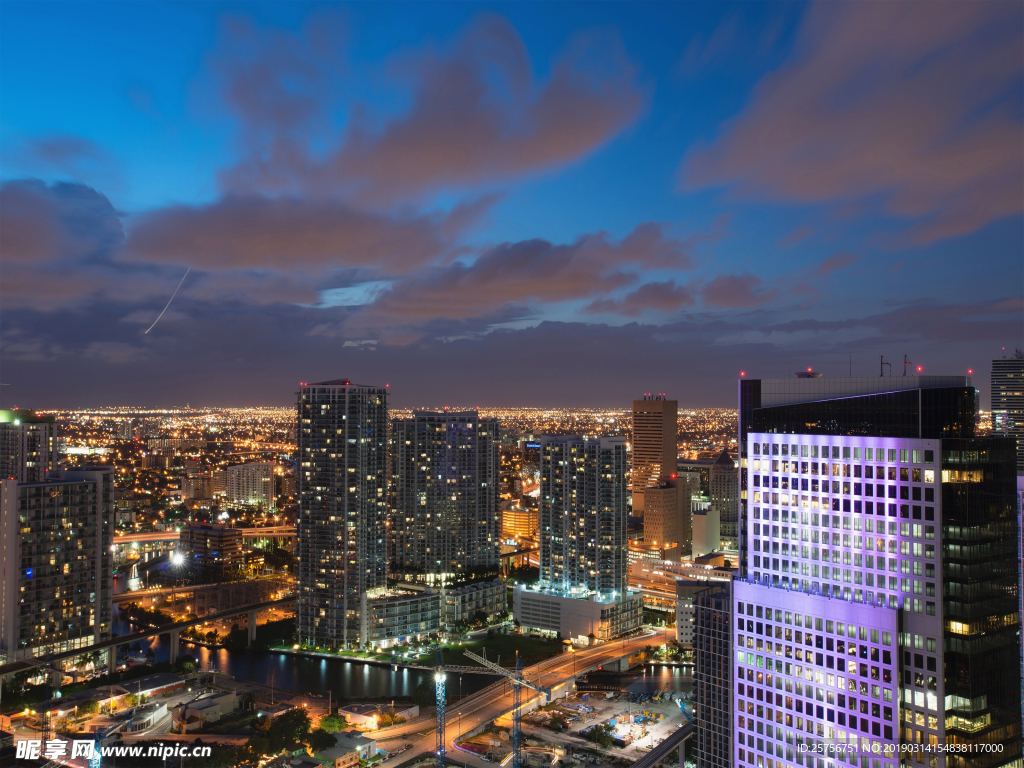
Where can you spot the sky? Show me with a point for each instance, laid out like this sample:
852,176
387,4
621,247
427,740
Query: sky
521,204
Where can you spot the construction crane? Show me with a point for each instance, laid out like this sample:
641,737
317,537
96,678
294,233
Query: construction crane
518,681
439,677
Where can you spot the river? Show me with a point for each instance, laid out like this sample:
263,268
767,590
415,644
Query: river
352,680
300,674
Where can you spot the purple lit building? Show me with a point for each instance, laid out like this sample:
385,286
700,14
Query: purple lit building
895,550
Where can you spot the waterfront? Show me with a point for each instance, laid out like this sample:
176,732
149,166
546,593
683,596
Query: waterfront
304,675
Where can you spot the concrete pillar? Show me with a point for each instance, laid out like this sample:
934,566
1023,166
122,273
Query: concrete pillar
175,637
111,659
252,628
56,678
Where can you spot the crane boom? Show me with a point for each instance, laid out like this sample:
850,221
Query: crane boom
506,672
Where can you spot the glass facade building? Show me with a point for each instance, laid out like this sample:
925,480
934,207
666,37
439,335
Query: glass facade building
712,676
912,537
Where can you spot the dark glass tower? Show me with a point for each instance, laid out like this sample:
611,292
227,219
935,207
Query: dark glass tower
981,647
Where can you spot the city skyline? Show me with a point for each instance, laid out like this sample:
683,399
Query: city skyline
384,191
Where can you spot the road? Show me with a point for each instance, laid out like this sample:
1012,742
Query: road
496,700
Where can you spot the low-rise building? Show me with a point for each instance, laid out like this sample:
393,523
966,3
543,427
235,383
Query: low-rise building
368,715
338,757
397,615
488,599
362,745
206,709
578,618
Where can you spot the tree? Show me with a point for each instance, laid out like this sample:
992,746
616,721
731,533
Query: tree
320,740
88,707
131,700
424,695
333,723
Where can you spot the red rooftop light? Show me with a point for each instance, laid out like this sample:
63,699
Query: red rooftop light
743,373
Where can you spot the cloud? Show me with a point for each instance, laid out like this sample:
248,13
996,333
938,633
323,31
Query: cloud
796,236
737,292
476,114
115,352
287,234
56,222
510,277
915,104
656,297
835,262
66,152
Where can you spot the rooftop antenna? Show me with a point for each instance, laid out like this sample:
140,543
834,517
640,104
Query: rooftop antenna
883,363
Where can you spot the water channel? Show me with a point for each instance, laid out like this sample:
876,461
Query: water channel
350,680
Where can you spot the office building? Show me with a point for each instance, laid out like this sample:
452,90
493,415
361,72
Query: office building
55,562
667,517
582,592
212,549
654,445
342,479
518,523
444,522
251,484
712,676
707,532
723,485
1008,401
28,446
883,406
895,560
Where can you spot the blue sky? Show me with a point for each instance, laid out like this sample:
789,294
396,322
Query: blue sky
510,203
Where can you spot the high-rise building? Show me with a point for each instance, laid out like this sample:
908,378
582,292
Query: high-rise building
55,562
909,553
212,548
444,523
883,406
712,676
880,552
667,517
583,514
28,445
583,545
1008,401
654,444
723,485
251,484
342,483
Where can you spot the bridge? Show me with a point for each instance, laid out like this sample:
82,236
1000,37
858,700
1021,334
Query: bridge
173,630
267,532
209,598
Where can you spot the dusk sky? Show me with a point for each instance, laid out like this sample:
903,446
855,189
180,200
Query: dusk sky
503,203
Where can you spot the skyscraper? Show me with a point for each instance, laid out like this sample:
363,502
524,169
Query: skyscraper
583,546
55,562
884,406
723,486
342,517
667,517
654,444
880,545
28,445
1008,401
444,524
